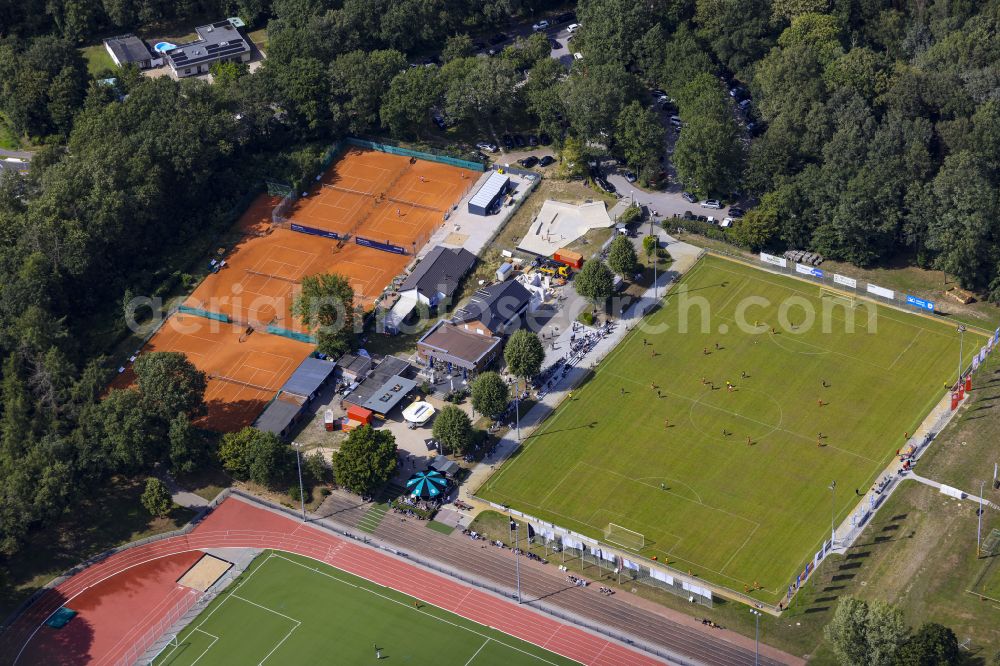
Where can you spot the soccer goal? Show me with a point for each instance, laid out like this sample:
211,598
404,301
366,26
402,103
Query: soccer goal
826,292
626,538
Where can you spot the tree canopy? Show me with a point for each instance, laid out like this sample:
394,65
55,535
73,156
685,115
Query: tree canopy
453,429
524,354
326,305
622,258
366,460
490,394
595,281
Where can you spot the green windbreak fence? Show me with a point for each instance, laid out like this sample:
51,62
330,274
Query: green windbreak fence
398,150
204,313
285,333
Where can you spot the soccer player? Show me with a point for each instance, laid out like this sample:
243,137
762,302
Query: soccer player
623,392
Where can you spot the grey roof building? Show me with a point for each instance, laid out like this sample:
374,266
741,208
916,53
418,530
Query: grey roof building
281,414
388,383
495,308
129,49
217,42
309,377
497,185
438,274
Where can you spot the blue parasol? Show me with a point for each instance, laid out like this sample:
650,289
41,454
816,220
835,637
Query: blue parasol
427,484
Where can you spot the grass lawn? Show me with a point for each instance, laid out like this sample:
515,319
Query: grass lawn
964,453
105,519
97,59
8,139
292,610
704,500
924,283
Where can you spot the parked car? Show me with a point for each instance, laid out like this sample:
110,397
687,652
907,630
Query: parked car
605,185
508,141
690,198
712,203
547,160
572,27
519,141
532,140
735,211
554,45
566,17
487,146
675,121
440,122
726,223
498,38
528,162
656,92
744,105
545,139
541,25
629,176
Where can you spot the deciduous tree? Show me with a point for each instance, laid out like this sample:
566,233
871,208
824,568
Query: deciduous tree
453,429
366,460
490,394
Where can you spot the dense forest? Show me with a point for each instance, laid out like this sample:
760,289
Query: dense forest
878,140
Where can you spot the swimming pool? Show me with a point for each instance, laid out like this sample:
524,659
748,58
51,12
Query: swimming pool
163,47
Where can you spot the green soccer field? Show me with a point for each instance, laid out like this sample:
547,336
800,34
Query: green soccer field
677,467
287,609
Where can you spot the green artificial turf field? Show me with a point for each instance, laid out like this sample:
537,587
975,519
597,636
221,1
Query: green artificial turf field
287,609
678,469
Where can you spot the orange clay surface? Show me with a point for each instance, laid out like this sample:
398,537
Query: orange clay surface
382,187
265,361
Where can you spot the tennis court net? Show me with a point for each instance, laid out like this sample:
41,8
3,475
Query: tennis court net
415,204
241,383
340,188
269,275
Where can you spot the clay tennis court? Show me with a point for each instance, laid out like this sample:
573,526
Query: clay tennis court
369,271
244,371
383,197
261,278
256,219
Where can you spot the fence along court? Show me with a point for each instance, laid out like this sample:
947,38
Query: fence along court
242,376
387,198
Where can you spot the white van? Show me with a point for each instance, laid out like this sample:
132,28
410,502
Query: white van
572,27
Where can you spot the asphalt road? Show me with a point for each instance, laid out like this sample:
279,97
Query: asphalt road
544,582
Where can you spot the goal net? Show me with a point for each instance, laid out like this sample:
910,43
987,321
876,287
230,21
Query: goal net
826,292
626,538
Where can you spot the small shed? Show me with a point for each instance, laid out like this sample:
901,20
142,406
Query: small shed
360,414
568,257
447,467
497,185
505,271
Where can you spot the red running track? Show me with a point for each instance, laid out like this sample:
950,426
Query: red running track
238,523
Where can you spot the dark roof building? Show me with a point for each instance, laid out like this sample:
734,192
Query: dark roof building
309,377
354,368
279,417
438,274
217,42
388,383
495,308
129,49
447,343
